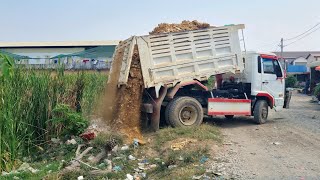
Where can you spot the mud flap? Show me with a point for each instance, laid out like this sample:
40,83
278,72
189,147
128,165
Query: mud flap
287,99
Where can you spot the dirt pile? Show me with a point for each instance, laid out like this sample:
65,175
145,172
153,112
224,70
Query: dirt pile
183,26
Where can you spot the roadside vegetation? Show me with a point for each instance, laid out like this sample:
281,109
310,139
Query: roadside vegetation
43,113
291,81
37,106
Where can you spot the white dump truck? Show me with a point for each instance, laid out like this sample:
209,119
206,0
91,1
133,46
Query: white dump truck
176,67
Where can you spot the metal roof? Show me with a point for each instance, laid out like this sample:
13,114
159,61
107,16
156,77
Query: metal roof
58,44
296,54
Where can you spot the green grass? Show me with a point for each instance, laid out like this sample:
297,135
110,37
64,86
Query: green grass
203,132
27,101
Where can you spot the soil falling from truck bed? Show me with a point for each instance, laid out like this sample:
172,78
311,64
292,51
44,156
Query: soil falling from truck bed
128,103
122,106
107,104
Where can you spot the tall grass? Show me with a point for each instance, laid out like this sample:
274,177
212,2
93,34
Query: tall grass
27,100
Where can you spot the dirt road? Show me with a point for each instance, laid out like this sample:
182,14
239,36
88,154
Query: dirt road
286,147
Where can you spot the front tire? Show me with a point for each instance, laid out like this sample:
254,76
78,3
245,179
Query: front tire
260,112
184,111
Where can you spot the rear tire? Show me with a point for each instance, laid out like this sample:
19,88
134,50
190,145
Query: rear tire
229,116
260,112
184,111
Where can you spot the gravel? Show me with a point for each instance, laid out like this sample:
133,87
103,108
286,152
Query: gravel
286,147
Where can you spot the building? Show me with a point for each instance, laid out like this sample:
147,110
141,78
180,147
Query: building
296,63
74,55
314,65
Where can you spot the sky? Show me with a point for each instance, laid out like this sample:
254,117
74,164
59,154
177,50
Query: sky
76,20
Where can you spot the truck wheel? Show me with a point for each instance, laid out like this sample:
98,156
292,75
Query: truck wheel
229,116
260,111
184,111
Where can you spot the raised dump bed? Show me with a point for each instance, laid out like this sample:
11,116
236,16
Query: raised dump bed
167,59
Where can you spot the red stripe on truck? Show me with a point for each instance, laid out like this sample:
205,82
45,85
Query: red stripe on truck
267,56
229,100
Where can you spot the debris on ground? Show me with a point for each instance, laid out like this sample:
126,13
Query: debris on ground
130,157
27,167
88,136
180,145
71,141
55,140
124,148
276,143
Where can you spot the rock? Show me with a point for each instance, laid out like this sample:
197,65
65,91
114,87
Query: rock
124,148
157,159
197,177
217,173
172,166
132,158
71,141
115,149
276,143
80,178
153,166
27,167
55,140
129,177
227,143
181,158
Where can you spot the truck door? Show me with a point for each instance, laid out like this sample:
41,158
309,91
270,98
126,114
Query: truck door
273,81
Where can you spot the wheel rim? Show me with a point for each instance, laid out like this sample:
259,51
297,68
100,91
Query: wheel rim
188,115
264,113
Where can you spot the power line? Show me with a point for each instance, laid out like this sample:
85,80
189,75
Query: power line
305,32
302,37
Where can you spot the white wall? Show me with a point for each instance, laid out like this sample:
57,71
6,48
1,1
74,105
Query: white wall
314,60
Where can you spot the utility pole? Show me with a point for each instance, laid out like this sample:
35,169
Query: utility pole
281,54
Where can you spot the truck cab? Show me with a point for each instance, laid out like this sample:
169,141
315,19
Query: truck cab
265,74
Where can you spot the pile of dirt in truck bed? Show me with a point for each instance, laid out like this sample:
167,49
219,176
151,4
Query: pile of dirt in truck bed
183,26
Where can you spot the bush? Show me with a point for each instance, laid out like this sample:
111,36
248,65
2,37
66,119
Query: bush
317,91
66,121
29,99
291,81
